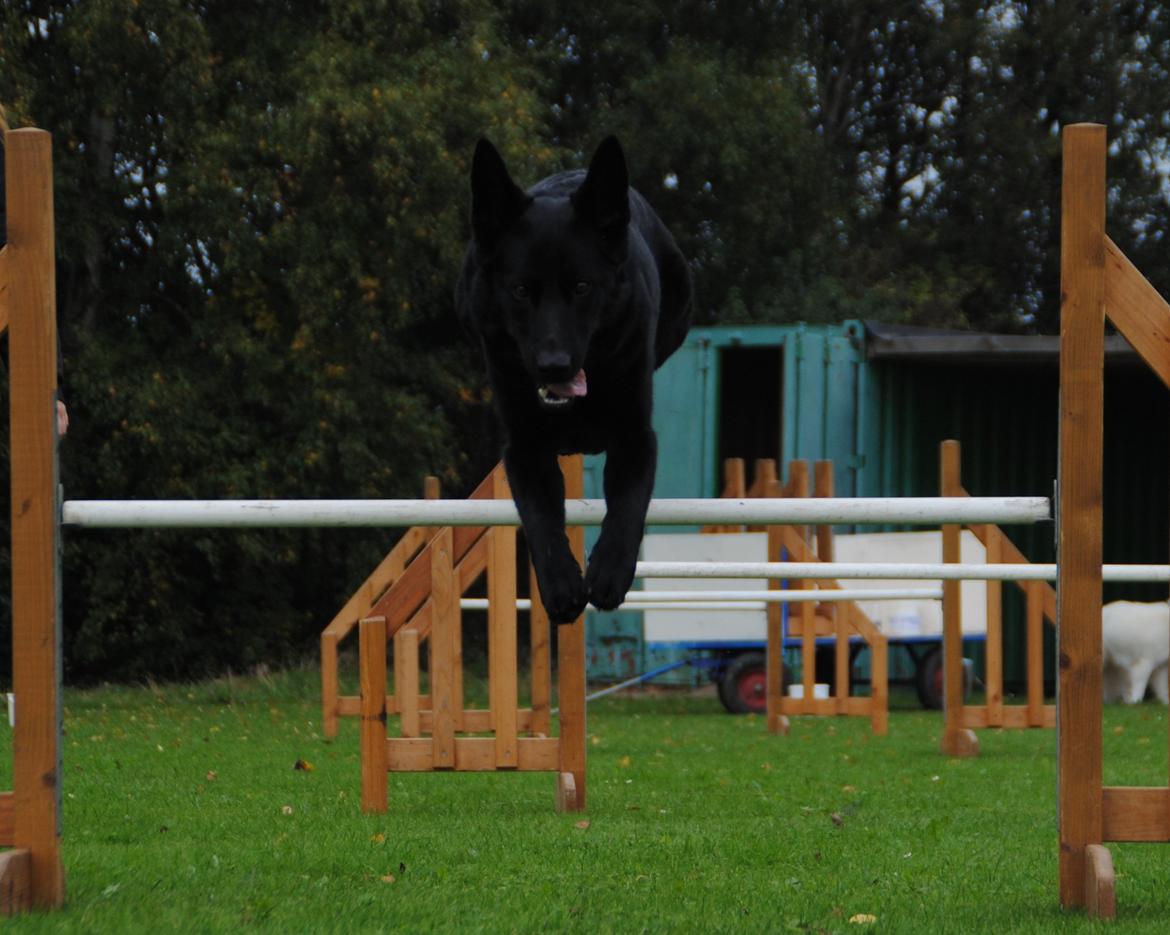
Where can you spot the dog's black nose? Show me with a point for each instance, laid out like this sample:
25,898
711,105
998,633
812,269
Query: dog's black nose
553,364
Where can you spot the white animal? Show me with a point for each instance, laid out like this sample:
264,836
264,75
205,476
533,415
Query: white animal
1136,641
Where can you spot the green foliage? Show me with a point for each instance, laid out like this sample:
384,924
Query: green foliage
183,811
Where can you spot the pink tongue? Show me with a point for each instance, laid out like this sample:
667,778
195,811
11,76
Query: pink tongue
574,387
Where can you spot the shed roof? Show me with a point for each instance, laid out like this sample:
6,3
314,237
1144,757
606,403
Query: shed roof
884,341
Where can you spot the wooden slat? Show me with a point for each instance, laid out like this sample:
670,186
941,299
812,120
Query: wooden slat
1138,311
1100,883
476,720
3,287
956,740
1009,717
1082,328
1132,813
774,658
472,754
372,664
329,685
826,707
32,360
571,656
16,885
879,693
362,601
734,485
7,818
406,680
823,487
993,646
502,658
540,659
444,621
1034,608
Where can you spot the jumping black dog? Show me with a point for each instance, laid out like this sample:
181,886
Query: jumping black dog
577,292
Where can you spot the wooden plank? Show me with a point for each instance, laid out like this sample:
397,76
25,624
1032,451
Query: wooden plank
823,487
476,720
4,274
36,615
956,740
1135,813
372,664
502,658
406,680
1138,311
16,887
349,706
571,656
540,659
444,621
774,649
7,818
472,754
993,646
1034,609
329,684
1078,611
362,601
407,594
1100,883
734,485
879,692
1010,717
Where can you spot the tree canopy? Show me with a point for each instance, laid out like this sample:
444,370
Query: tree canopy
261,210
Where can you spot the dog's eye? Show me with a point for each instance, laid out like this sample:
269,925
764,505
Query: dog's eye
520,291
583,287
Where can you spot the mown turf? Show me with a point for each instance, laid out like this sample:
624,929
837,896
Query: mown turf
184,812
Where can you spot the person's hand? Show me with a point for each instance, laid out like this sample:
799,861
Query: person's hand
62,419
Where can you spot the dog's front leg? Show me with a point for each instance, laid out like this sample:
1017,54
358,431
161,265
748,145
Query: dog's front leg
538,489
629,482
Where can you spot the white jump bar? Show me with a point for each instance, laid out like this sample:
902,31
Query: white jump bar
740,600
927,511
821,571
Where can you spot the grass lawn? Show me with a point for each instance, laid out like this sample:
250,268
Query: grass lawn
184,812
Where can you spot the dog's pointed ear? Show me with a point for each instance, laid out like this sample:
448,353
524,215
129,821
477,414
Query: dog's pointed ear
496,200
604,197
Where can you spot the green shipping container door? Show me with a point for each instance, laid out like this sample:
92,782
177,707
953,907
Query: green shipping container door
761,391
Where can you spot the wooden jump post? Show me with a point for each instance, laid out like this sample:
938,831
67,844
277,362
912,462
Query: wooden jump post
959,718
31,874
1096,281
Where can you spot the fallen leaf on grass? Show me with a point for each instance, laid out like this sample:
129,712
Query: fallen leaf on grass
838,819
862,918
582,825
286,809
303,765
624,762
212,775
378,838
388,878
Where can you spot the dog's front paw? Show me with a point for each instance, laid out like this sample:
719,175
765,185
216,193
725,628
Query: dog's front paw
562,590
610,573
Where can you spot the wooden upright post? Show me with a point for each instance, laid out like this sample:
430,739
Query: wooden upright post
1078,595
571,670
372,654
957,740
36,612
823,487
774,659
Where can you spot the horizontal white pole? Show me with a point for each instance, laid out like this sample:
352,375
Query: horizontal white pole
927,511
822,571
740,600
481,603
635,598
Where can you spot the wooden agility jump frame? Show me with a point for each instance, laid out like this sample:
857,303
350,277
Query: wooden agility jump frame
1097,281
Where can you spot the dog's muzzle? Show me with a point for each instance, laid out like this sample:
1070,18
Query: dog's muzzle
556,395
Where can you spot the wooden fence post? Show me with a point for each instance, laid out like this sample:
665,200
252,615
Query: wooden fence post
571,671
1078,602
36,612
957,740
372,656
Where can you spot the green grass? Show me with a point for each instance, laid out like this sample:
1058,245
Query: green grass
183,812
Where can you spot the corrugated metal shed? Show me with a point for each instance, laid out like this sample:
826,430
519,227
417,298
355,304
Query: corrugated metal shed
877,400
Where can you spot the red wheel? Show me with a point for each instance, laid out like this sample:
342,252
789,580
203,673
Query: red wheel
743,686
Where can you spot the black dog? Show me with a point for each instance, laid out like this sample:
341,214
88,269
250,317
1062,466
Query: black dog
577,292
